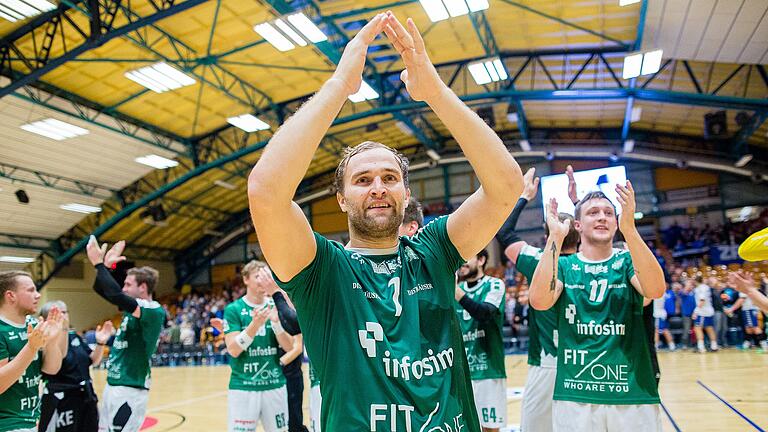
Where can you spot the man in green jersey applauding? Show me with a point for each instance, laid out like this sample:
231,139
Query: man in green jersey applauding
257,390
21,339
536,408
480,308
125,397
605,381
378,314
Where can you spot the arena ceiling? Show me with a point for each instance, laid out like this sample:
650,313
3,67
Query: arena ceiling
563,60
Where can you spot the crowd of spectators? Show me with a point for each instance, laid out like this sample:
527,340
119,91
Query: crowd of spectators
683,241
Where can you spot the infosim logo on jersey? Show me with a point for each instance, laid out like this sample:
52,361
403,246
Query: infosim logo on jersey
593,328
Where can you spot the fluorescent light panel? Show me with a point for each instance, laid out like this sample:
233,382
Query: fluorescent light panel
14,10
629,145
651,62
628,2
365,93
225,185
439,10
54,129
80,208
743,161
487,71
525,145
160,77
435,156
16,259
307,27
248,123
637,112
299,29
156,161
632,64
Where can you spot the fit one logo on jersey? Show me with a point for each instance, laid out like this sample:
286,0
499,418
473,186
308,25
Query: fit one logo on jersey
405,369
591,374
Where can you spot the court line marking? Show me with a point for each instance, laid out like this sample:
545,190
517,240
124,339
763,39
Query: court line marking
731,406
187,401
669,416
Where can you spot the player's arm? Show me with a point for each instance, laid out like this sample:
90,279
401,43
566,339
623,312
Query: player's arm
53,352
285,235
103,333
105,285
287,315
283,339
545,287
474,223
11,371
481,311
238,341
295,351
736,305
742,282
649,277
507,236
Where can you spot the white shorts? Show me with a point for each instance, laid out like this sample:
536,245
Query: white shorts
582,417
247,408
315,403
491,401
122,408
536,409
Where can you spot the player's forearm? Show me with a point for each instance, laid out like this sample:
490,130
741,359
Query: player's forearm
543,290
507,234
52,357
647,268
233,348
106,286
288,318
14,369
97,354
496,169
286,158
285,340
760,300
291,355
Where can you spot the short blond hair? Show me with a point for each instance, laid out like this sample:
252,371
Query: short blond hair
252,267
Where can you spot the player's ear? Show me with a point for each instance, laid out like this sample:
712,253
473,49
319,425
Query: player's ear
342,201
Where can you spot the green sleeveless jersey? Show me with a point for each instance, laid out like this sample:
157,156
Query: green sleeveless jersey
483,340
383,336
130,356
20,404
603,355
542,325
258,367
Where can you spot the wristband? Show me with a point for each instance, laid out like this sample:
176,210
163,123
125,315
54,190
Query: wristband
243,340
277,328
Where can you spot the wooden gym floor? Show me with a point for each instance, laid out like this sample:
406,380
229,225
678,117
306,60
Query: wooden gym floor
724,391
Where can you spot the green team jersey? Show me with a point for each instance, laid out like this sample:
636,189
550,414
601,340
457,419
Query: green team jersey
542,325
20,404
258,367
483,340
603,355
136,340
381,329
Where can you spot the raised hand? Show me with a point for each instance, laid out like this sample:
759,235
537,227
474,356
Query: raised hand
571,185
104,332
115,254
53,325
741,281
260,316
350,68
265,280
420,76
626,197
218,324
530,184
95,251
557,229
36,337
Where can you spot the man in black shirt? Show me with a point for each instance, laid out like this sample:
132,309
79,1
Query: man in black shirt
69,402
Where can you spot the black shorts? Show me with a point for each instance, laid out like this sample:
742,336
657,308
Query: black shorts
69,411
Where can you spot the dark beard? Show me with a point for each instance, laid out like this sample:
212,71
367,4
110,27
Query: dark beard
470,275
368,228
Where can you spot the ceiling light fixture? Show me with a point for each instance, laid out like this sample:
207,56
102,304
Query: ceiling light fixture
54,129
640,63
487,71
365,93
80,208
16,259
15,10
156,161
439,10
160,77
248,123
298,30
